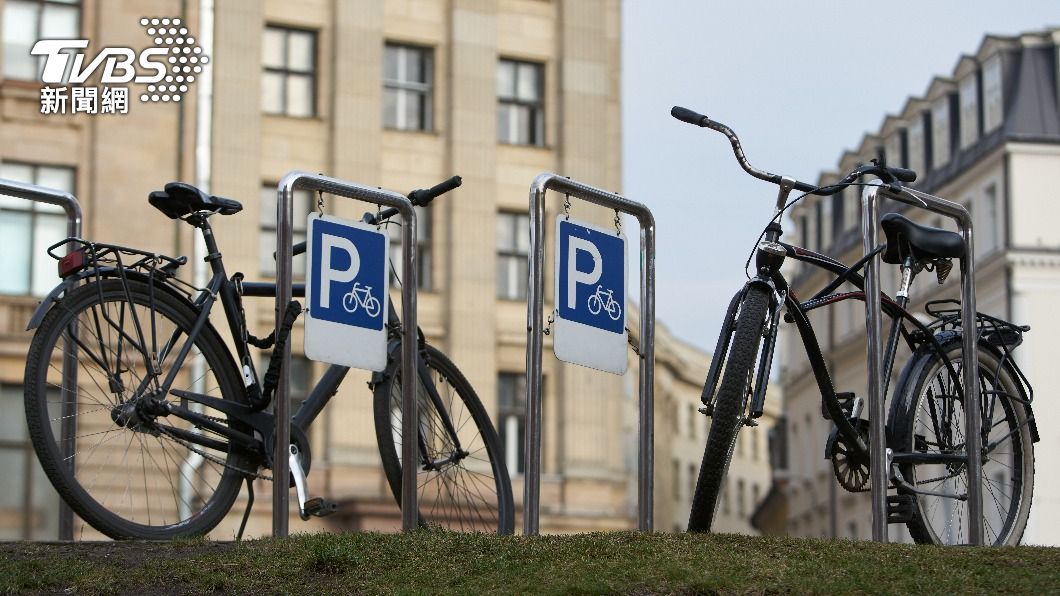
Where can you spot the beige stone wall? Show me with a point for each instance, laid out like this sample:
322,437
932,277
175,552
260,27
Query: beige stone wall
586,471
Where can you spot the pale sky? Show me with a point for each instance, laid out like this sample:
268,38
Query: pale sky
800,82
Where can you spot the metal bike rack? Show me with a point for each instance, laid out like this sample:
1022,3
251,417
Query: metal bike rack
878,472
284,214
535,343
68,424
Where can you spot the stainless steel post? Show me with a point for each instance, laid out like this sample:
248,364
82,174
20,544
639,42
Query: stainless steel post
878,476
284,205
970,361
535,344
68,424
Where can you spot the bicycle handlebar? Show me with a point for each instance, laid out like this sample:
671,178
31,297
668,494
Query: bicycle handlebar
420,197
886,174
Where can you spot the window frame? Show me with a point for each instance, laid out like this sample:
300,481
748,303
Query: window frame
287,71
39,34
406,87
993,100
424,252
33,209
513,253
298,234
537,131
517,411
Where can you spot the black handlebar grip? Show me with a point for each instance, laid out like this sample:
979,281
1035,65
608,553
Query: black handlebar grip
687,115
299,248
424,197
903,174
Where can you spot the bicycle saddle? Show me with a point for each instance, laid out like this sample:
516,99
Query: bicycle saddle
180,199
925,243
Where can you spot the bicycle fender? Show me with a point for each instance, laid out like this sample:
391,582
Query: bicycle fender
921,359
58,291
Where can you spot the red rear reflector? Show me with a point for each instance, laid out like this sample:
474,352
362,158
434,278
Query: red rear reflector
71,263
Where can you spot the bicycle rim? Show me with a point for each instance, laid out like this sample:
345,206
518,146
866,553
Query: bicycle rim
465,489
936,423
127,474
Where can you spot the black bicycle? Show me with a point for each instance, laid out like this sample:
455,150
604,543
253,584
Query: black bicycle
926,425
166,423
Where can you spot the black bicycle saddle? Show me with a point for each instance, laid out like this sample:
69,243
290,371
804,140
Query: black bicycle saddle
924,242
180,199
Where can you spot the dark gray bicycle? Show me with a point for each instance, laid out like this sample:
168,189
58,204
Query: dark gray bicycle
169,423
927,460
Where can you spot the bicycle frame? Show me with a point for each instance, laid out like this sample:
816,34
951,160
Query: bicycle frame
230,293
783,297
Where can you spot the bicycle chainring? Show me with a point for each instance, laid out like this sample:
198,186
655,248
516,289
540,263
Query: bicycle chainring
851,467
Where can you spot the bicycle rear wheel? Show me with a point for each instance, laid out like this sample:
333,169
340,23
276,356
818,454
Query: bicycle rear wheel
463,483
131,473
928,418
729,405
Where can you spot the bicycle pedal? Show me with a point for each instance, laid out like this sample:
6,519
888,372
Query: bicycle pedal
320,507
847,401
901,509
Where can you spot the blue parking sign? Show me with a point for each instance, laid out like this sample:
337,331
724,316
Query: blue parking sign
346,292
590,296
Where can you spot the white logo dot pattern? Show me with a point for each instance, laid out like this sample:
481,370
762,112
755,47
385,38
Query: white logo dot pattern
184,57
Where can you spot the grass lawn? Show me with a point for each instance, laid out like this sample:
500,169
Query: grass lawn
433,562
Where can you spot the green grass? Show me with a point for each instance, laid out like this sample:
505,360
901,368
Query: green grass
441,562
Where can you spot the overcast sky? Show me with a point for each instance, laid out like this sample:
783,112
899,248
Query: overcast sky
800,82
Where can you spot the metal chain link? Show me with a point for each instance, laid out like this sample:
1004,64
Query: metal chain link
566,206
209,457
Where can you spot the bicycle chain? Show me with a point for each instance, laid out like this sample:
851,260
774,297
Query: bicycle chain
212,458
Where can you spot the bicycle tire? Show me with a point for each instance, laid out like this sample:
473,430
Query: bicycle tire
729,404
920,415
140,454
445,499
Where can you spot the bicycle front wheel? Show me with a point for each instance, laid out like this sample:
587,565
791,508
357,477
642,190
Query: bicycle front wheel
929,419
462,480
729,405
129,469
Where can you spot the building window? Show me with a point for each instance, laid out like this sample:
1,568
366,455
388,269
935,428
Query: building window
423,248
511,399
992,100
824,222
741,498
29,228
916,145
892,149
26,22
303,204
288,85
520,103
940,131
513,249
677,478
408,74
28,503
968,92
986,223
851,208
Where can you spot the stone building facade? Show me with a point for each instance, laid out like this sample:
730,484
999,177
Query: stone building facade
988,136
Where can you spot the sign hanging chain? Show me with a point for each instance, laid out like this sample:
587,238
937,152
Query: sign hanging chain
618,223
566,206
